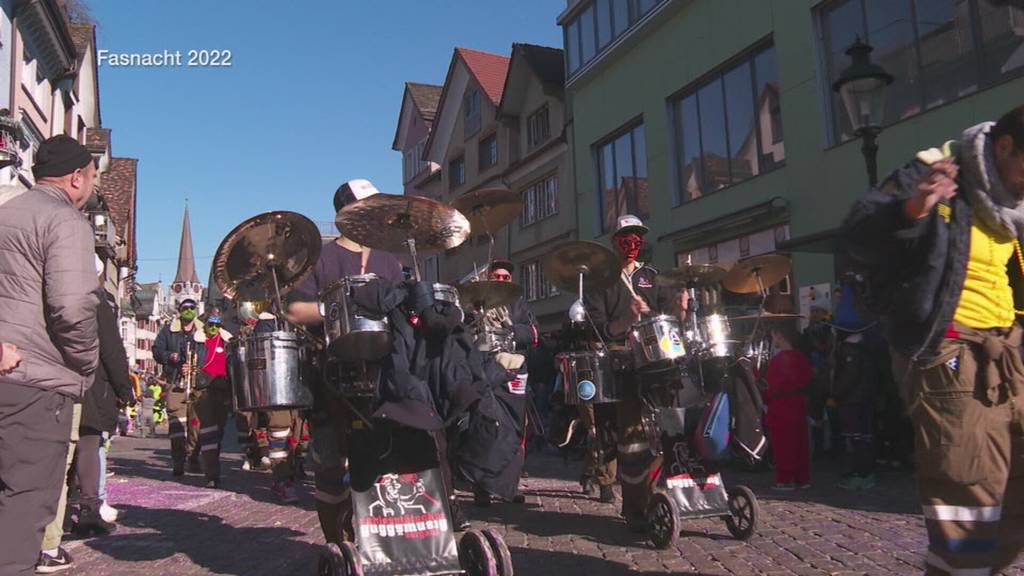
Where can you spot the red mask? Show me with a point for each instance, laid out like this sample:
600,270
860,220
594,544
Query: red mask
629,246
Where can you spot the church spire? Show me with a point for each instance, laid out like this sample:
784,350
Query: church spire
186,258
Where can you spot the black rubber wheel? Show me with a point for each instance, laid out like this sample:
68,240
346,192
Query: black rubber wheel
663,517
475,556
502,556
744,513
353,564
331,562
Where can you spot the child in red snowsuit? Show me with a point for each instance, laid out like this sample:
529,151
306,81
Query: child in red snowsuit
788,374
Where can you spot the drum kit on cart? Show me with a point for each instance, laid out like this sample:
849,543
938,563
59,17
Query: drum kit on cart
403,524
264,258
671,367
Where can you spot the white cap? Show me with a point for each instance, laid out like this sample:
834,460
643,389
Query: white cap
352,191
629,223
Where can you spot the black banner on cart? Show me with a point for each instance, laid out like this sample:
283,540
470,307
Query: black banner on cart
697,490
403,528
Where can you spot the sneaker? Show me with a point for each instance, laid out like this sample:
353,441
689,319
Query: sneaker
588,485
607,495
213,483
285,492
90,523
246,465
265,463
52,564
108,513
459,518
784,487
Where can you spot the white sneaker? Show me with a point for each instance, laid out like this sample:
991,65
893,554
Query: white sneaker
108,513
246,466
265,462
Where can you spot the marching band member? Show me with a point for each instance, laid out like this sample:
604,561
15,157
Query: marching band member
331,422
614,312
170,351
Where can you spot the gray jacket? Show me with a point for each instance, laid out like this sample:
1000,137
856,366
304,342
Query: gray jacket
47,285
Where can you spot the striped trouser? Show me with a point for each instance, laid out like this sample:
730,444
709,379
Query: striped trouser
211,411
969,440
638,466
179,430
329,458
282,437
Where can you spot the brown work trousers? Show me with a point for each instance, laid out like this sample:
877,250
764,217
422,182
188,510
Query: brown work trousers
967,413
639,462
329,454
599,459
182,429
210,409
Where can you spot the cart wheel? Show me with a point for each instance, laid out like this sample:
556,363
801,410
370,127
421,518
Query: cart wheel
331,562
475,556
744,512
353,564
502,556
663,516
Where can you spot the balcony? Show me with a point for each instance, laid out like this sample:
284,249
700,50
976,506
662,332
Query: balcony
103,232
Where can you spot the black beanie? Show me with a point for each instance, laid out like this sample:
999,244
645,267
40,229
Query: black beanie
59,156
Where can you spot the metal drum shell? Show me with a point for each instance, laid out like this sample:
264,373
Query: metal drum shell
588,366
271,372
716,333
494,340
657,342
351,336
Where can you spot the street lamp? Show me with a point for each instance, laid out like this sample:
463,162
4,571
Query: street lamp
862,89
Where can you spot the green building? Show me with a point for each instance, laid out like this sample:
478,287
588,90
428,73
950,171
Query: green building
715,121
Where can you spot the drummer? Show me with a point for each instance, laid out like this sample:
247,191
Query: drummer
614,312
518,319
331,421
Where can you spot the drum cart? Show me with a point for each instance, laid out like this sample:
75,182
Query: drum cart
687,488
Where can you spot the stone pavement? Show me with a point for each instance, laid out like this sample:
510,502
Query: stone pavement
180,528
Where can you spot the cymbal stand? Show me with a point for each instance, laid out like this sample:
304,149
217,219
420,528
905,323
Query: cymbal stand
411,243
758,348
578,311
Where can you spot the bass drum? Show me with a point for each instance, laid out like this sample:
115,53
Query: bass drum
271,372
587,378
351,334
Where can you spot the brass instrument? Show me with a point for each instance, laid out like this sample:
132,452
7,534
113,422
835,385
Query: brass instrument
188,377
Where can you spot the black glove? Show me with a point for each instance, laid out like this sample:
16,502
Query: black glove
421,297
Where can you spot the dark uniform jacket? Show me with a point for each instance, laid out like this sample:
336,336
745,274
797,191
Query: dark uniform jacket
172,339
916,268
614,303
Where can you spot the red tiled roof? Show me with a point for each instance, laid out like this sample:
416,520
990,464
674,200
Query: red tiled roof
119,190
82,35
97,139
488,69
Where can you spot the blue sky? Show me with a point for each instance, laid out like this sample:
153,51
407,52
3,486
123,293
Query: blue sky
311,100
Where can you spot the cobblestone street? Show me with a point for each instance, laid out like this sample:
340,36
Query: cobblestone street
180,528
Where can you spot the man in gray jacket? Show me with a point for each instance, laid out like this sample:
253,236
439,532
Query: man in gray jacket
47,310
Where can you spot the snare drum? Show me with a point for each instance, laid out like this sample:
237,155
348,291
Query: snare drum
656,342
587,378
271,372
351,334
447,293
716,333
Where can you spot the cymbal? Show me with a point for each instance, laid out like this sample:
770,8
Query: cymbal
285,243
697,274
388,221
601,267
742,278
489,293
489,209
766,317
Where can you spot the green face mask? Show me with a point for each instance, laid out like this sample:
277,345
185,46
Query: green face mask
188,315
212,331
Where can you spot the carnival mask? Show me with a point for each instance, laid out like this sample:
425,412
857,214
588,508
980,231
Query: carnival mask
629,246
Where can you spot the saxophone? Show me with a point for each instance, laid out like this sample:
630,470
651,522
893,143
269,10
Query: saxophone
189,376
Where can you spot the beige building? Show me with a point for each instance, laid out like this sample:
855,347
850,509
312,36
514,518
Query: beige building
533,109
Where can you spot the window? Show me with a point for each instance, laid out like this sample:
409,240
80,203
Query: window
622,171
937,50
597,25
488,152
538,129
471,112
728,128
535,285
456,173
412,162
540,201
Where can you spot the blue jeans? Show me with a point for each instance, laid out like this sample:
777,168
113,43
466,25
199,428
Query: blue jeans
103,467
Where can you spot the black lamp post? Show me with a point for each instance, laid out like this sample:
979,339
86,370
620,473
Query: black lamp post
862,89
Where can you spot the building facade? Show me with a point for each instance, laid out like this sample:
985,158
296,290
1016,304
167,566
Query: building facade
533,108
724,134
